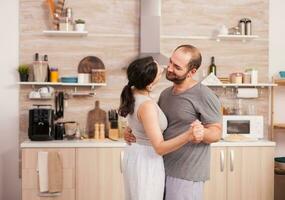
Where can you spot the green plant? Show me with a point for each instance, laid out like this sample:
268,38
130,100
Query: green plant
23,69
79,21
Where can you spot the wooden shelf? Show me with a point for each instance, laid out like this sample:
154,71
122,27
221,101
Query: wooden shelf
280,82
279,126
242,85
65,33
243,38
63,84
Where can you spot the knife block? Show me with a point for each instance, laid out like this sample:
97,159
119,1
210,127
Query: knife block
114,133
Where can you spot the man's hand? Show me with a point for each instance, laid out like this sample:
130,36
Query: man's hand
128,136
198,131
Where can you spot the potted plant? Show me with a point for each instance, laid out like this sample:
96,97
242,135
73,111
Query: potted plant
79,25
24,72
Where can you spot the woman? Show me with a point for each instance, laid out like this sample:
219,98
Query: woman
143,167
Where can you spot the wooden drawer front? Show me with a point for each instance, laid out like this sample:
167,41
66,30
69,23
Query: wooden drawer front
30,157
30,179
32,194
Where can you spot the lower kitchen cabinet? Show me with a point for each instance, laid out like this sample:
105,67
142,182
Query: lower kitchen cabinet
30,185
98,174
241,173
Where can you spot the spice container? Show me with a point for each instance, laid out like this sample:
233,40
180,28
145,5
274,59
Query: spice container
247,26
102,131
98,76
53,74
96,131
242,24
236,78
247,77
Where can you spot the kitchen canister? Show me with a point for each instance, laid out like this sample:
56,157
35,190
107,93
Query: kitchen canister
248,28
242,25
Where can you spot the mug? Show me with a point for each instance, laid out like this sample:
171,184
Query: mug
84,78
46,92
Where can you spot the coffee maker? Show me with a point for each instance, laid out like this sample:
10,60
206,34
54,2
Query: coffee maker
41,123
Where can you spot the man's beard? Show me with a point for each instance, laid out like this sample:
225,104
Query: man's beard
176,79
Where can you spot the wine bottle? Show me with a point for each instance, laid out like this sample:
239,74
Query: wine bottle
213,67
48,68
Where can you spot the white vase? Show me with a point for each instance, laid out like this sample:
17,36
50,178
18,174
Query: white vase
80,27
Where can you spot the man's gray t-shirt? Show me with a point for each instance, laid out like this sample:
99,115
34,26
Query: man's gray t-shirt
192,161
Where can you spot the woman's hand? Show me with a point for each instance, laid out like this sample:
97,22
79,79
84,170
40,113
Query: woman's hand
128,136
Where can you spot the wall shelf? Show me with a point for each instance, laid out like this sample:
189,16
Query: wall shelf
242,38
280,82
63,84
242,85
65,33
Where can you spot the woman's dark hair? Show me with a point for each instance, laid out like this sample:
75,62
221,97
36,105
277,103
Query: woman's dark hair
140,73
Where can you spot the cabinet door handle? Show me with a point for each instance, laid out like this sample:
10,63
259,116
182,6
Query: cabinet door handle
121,161
222,160
232,160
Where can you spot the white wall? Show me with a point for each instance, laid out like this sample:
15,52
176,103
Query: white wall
9,117
277,63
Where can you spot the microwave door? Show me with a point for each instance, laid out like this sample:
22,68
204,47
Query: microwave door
238,126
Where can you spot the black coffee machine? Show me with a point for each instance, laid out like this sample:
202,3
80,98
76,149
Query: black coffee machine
41,123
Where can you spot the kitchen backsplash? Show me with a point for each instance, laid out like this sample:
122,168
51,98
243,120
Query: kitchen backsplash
113,28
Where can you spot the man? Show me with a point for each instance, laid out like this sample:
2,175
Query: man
185,102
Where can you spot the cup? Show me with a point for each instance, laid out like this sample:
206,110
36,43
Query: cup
34,95
83,78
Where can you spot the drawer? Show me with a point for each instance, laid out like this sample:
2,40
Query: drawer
30,157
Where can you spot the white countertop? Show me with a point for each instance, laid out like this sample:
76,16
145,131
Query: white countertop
121,143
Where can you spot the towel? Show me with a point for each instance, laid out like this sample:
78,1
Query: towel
55,174
43,171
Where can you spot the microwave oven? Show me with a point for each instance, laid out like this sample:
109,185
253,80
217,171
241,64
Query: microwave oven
246,126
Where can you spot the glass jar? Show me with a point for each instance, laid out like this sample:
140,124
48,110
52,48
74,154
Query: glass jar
236,78
53,74
98,76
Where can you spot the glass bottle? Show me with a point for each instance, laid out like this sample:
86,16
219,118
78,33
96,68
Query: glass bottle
213,67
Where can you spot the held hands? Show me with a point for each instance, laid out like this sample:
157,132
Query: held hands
128,136
197,132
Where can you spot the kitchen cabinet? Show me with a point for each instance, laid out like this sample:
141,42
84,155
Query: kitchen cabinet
30,186
98,174
241,173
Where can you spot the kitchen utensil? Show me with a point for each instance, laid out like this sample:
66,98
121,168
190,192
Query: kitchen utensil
59,105
40,70
90,62
97,115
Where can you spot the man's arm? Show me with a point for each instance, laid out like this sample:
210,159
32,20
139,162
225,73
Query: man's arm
212,133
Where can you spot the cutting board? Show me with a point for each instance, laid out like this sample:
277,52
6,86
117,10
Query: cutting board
96,115
88,63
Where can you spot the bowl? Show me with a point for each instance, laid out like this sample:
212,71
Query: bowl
282,74
69,79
